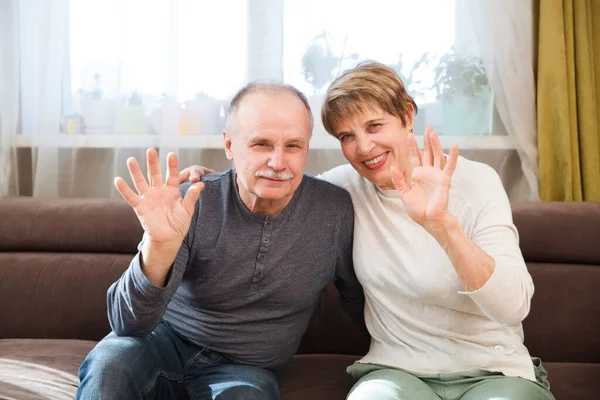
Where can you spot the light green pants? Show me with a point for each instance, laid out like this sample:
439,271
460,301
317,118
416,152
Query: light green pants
376,382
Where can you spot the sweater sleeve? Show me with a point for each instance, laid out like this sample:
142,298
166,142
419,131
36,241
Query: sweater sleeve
506,296
135,305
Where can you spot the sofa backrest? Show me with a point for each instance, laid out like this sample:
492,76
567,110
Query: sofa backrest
561,244
59,256
57,259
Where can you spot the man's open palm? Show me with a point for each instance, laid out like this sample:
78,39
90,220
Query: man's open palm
164,215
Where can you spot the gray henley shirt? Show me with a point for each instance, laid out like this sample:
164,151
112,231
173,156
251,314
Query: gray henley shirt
245,285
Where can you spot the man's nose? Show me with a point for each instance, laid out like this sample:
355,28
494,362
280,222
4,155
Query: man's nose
276,160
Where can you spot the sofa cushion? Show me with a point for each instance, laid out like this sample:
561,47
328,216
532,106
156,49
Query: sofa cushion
47,369
564,305
324,377
317,377
570,381
33,369
331,331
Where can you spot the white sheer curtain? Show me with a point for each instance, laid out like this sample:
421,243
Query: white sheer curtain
9,94
88,83
504,35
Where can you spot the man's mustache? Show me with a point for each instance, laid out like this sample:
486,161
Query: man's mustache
270,174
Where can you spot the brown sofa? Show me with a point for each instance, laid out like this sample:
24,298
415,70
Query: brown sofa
58,257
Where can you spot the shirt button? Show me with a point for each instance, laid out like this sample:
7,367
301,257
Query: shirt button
498,347
261,257
268,224
266,240
259,274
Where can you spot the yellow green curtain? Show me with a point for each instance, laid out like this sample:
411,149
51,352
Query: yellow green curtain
568,96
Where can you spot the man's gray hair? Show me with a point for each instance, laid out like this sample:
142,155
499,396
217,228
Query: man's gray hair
267,86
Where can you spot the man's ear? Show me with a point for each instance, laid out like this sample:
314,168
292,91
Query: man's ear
227,142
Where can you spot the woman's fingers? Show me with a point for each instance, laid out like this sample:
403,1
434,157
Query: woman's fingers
453,159
398,179
439,158
427,153
415,154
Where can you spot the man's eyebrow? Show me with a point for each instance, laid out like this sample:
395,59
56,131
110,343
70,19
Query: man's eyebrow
296,140
257,138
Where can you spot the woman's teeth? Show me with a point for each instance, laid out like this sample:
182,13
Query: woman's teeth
376,159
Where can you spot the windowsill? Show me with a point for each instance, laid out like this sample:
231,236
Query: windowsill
319,141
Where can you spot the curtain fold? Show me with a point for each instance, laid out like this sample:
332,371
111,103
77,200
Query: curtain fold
504,35
9,95
568,84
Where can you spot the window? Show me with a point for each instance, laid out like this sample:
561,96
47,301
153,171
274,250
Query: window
146,67
430,43
170,67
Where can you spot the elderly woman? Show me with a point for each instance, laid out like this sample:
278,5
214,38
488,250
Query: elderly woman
436,252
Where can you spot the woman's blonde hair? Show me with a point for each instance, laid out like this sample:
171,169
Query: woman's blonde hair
366,85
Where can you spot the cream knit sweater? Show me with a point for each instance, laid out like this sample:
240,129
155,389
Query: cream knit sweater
417,312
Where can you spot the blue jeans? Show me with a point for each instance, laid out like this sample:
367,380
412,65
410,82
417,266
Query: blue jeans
164,365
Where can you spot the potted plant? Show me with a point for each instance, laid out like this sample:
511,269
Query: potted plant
165,119
200,116
413,87
463,90
132,117
98,112
320,65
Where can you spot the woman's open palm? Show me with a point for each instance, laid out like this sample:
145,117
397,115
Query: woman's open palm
163,214
425,197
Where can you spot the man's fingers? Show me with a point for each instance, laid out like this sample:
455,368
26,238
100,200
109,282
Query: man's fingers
139,182
172,168
154,177
415,154
191,196
398,179
453,159
126,192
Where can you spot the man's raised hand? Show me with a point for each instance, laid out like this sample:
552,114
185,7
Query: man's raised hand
163,214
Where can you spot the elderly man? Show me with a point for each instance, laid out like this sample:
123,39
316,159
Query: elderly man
230,268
